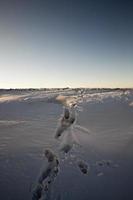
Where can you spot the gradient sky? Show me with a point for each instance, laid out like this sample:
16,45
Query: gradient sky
60,43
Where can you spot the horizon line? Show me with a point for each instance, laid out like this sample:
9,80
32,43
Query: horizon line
37,88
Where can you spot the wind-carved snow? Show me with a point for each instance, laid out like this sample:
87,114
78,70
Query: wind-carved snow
10,122
67,132
95,97
67,139
68,97
65,135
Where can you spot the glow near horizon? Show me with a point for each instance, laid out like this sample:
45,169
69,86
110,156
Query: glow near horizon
31,64
25,67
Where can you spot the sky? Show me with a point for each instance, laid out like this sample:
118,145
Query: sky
66,43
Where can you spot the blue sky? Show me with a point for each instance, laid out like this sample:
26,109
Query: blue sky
48,43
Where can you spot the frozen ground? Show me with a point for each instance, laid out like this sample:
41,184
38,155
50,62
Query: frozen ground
28,120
